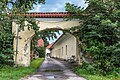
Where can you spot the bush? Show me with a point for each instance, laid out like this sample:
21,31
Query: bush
88,74
41,51
105,58
6,44
99,33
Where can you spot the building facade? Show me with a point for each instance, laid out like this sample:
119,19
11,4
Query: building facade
65,47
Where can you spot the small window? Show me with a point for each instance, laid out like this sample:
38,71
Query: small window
62,51
66,49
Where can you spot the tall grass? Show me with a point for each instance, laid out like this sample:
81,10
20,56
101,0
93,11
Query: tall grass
87,74
15,73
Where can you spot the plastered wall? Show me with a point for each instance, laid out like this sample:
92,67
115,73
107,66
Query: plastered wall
23,56
65,47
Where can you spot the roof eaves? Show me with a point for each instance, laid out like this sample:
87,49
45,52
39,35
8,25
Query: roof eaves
57,40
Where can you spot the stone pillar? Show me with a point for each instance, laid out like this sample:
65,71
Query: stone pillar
24,39
78,52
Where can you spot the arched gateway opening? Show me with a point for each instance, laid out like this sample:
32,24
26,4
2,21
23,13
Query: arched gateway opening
45,21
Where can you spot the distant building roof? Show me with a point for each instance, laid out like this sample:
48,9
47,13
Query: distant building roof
40,42
50,45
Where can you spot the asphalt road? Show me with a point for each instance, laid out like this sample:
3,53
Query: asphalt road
53,69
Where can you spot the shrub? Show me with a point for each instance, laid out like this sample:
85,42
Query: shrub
99,33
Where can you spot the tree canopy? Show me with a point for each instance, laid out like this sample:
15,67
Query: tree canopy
6,36
99,33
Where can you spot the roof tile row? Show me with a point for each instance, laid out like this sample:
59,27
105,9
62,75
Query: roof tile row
46,14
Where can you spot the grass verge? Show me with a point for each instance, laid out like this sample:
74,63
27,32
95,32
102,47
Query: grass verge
36,63
15,73
84,73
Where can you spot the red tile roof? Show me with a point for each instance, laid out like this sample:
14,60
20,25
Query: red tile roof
40,42
46,14
50,45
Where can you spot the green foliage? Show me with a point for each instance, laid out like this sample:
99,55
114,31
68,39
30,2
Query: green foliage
37,62
47,34
6,40
88,74
27,4
14,7
99,33
15,73
41,51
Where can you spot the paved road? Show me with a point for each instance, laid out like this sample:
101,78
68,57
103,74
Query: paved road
53,69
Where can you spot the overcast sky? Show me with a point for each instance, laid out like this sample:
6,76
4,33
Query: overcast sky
56,5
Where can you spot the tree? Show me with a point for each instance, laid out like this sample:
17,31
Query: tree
14,7
99,32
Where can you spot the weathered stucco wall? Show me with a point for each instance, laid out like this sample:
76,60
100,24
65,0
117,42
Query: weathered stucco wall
23,56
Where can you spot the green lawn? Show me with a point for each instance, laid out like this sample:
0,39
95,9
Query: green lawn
84,73
15,73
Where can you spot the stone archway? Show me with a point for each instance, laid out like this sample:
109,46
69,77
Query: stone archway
23,56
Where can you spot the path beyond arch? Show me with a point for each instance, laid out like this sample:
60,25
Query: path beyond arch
53,69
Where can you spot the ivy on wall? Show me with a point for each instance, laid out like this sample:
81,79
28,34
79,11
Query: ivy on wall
6,42
99,33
